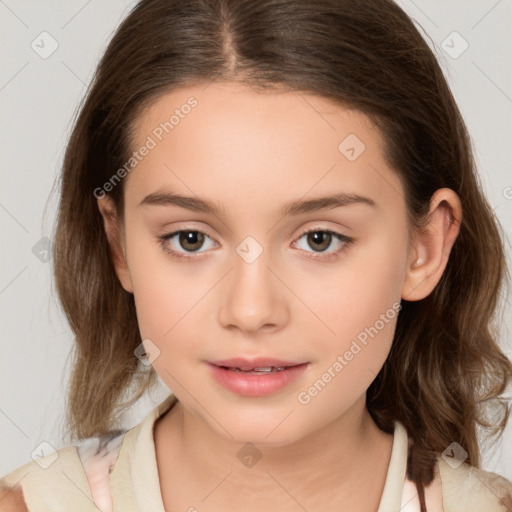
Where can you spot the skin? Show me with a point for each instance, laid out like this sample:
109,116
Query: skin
251,152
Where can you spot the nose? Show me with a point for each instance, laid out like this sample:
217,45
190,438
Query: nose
253,297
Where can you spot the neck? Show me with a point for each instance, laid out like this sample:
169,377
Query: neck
336,463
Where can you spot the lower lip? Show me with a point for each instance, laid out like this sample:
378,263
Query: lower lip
256,385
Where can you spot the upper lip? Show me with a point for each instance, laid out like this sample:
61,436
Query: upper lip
249,364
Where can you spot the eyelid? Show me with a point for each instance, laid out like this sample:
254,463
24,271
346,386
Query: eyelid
321,226
187,227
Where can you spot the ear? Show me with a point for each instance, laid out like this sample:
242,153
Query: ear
113,231
432,245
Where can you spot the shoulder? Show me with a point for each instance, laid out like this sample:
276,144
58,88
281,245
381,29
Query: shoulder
65,477
469,489
29,484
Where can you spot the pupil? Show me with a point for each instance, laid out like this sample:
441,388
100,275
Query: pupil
191,237
316,236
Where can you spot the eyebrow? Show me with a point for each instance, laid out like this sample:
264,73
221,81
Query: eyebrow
296,207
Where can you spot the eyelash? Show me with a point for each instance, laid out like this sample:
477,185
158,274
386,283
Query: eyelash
179,256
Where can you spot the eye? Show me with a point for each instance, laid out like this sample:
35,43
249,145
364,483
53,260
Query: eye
179,243
189,239
321,239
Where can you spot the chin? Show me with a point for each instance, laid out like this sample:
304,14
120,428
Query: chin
272,431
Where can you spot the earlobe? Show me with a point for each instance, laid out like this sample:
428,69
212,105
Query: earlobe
112,228
432,245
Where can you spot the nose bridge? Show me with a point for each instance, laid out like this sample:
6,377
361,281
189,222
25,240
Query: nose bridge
254,297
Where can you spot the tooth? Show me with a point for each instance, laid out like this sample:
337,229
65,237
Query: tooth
261,369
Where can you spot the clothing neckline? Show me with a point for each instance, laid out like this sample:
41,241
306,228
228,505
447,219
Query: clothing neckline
135,482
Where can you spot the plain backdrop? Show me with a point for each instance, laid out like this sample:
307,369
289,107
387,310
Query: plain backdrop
39,95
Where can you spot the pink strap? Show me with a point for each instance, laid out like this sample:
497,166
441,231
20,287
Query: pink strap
98,456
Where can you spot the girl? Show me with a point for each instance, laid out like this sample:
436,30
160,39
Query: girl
273,207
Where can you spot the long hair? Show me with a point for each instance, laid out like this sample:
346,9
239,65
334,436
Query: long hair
445,365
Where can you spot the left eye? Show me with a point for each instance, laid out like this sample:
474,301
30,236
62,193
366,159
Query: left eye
322,239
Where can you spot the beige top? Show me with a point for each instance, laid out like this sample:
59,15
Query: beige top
119,474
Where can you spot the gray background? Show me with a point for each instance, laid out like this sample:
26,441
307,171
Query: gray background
38,99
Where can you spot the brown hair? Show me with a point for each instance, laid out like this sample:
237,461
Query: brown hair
445,364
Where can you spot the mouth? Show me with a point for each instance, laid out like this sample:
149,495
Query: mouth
257,377
259,371
259,365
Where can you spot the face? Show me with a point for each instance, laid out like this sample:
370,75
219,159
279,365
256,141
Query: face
317,287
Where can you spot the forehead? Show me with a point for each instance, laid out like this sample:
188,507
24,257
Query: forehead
227,141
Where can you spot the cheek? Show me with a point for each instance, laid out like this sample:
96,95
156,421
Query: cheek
167,308
359,306
165,304
165,292
361,292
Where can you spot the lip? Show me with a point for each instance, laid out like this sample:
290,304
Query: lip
252,384
249,364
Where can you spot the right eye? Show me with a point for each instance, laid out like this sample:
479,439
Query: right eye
188,239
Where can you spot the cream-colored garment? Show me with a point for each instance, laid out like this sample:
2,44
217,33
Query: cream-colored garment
125,470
